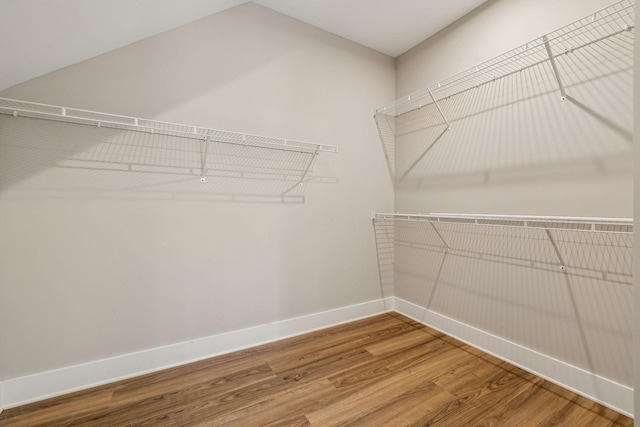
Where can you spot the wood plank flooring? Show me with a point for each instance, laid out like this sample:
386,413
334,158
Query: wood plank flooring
386,370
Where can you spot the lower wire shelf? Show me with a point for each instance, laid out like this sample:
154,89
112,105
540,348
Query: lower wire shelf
596,247
545,289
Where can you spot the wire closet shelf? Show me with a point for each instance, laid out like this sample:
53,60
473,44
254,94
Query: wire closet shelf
115,121
591,247
578,224
606,23
199,150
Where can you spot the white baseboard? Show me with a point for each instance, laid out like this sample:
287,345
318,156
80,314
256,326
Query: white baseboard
43,385
599,389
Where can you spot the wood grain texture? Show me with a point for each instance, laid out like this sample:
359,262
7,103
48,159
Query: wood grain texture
386,370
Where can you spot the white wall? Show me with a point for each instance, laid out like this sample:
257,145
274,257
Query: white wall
636,235
95,264
584,169
582,185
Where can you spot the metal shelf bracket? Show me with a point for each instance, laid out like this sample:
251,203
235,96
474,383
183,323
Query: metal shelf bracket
554,66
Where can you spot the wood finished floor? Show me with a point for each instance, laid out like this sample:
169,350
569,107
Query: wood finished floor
386,370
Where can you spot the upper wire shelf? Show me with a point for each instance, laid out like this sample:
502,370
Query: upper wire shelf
110,149
73,115
608,22
585,224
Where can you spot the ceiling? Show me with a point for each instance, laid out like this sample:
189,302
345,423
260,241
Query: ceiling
41,36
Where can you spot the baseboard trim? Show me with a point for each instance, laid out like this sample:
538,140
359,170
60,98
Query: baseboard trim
27,389
22,390
599,389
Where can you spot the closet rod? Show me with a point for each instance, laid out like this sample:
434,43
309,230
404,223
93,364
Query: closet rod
19,108
584,224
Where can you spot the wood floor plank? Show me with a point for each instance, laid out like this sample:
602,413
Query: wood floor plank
209,378
350,406
300,421
396,343
288,404
386,370
404,409
64,411
435,353
326,346
460,377
155,405
210,406
465,410
527,407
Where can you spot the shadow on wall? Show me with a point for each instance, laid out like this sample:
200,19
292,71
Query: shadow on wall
564,99
384,236
42,158
564,293
558,107
194,71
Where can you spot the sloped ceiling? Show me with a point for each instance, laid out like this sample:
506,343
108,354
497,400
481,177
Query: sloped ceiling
41,36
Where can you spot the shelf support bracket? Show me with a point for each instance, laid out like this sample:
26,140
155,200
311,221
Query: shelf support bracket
433,98
380,240
444,242
579,322
563,265
203,172
556,73
436,282
424,153
304,173
387,142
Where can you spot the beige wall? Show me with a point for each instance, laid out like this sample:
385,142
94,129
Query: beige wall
583,168
98,263
636,248
492,29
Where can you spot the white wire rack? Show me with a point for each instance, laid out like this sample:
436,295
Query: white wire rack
597,225
237,163
617,19
561,286
107,120
576,245
563,97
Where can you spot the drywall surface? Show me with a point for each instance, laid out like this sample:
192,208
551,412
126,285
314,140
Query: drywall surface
535,156
636,253
515,148
100,258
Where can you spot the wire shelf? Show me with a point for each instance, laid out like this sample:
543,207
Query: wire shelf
561,98
561,286
581,246
94,118
615,20
586,224
156,156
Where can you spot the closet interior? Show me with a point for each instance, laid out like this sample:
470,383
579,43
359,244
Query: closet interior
558,286
482,217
